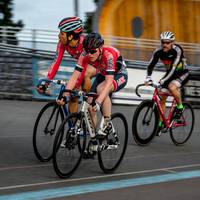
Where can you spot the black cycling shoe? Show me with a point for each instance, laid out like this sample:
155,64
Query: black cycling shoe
91,150
89,155
178,113
71,141
159,131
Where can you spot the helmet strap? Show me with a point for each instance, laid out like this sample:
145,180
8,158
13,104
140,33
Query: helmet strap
100,53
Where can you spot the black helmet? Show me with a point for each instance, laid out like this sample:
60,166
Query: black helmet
92,41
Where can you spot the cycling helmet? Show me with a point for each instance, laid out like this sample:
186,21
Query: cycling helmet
71,24
167,35
92,41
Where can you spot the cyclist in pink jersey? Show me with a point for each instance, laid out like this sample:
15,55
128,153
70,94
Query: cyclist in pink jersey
70,40
111,77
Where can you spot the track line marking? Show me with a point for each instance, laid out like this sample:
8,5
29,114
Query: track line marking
103,186
98,177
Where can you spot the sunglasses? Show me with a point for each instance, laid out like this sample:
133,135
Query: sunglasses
92,51
165,42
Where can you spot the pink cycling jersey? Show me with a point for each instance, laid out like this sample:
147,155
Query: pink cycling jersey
106,65
75,52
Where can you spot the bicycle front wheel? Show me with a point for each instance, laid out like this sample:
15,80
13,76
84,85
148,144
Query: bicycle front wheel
46,125
182,130
69,146
113,148
145,122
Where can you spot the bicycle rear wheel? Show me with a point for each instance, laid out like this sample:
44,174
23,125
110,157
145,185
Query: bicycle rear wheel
181,131
68,149
114,146
145,122
46,125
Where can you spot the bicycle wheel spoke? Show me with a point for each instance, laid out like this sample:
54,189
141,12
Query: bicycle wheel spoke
113,147
68,148
144,123
182,130
47,123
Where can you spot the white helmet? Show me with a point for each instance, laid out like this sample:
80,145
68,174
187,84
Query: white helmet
167,35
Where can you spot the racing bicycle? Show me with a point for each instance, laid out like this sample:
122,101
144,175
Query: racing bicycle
71,146
146,118
47,123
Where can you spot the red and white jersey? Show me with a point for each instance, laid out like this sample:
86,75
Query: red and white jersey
106,65
75,52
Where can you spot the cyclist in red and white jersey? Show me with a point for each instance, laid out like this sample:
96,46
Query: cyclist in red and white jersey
70,40
112,75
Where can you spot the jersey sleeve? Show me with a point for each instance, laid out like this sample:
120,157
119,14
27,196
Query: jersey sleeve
57,60
81,62
153,62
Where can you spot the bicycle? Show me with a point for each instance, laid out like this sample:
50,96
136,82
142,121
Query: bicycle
146,118
110,150
47,123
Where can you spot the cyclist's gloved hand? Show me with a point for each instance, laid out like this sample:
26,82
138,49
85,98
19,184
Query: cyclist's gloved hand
97,106
42,86
61,101
148,80
157,85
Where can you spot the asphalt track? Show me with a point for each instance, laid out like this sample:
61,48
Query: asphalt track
158,171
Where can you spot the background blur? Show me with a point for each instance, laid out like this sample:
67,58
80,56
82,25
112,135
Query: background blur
28,38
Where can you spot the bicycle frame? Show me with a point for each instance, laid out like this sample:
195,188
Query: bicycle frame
89,123
168,122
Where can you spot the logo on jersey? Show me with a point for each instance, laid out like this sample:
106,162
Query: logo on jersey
121,81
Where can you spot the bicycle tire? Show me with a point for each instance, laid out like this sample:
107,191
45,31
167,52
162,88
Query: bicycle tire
66,160
43,134
180,135
144,135
107,161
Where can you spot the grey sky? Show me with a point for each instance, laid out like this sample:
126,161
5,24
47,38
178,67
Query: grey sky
45,14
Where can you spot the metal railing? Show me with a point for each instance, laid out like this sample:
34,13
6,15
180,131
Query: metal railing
21,66
131,48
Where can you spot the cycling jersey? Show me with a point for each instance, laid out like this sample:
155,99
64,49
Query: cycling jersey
107,64
172,60
75,52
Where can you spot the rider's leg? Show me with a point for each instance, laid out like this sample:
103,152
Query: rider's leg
175,90
106,104
73,105
86,85
163,106
89,73
175,85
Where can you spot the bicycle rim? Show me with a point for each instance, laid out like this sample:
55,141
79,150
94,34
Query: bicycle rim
182,133
110,158
46,125
145,121
67,159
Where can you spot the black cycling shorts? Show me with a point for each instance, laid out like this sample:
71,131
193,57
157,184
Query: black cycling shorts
178,78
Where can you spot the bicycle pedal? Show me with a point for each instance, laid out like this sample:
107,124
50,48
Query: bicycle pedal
89,155
101,136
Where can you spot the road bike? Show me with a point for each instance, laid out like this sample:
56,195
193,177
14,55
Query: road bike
47,123
80,141
146,118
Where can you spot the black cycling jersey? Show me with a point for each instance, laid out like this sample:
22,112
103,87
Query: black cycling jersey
172,60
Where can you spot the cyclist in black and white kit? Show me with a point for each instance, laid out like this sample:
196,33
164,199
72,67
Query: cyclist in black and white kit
177,74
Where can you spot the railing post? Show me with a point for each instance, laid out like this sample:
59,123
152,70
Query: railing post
4,38
34,38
